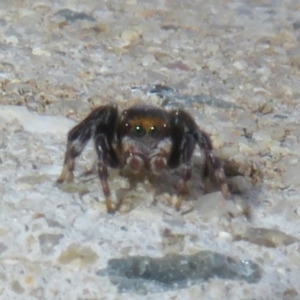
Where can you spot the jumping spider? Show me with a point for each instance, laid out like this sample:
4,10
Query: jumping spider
141,138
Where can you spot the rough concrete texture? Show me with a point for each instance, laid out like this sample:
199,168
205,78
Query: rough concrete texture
234,65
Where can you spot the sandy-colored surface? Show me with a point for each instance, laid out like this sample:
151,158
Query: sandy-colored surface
59,59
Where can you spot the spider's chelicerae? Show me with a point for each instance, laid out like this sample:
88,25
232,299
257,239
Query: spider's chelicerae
142,138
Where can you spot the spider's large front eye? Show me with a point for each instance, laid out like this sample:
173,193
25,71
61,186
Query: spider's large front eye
139,131
154,132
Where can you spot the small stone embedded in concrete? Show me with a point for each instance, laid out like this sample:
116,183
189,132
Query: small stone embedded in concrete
78,253
73,16
161,90
53,223
34,179
16,287
172,242
130,36
3,247
74,187
48,241
271,238
174,271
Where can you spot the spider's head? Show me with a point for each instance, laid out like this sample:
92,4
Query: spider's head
144,135
147,125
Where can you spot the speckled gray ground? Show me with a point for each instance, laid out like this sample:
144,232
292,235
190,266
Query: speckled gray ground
61,58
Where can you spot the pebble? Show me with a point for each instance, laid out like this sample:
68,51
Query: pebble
130,36
49,241
78,255
263,236
174,271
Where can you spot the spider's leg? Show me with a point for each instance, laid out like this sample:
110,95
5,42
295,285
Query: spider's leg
205,144
78,138
106,157
100,143
188,146
183,148
104,135
185,134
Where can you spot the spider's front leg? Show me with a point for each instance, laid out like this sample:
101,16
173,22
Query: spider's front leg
99,124
78,137
183,148
106,157
185,134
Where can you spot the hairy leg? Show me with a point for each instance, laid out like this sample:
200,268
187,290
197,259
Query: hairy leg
102,119
186,156
205,144
185,133
77,139
105,160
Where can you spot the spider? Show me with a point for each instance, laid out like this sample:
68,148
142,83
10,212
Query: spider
141,138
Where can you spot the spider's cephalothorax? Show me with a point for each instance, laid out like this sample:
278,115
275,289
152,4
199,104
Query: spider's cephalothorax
141,138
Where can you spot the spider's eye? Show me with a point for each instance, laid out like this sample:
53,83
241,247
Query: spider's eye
154,132
139,131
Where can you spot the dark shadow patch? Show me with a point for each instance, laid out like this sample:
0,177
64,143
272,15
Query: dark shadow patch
144,274
73,16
